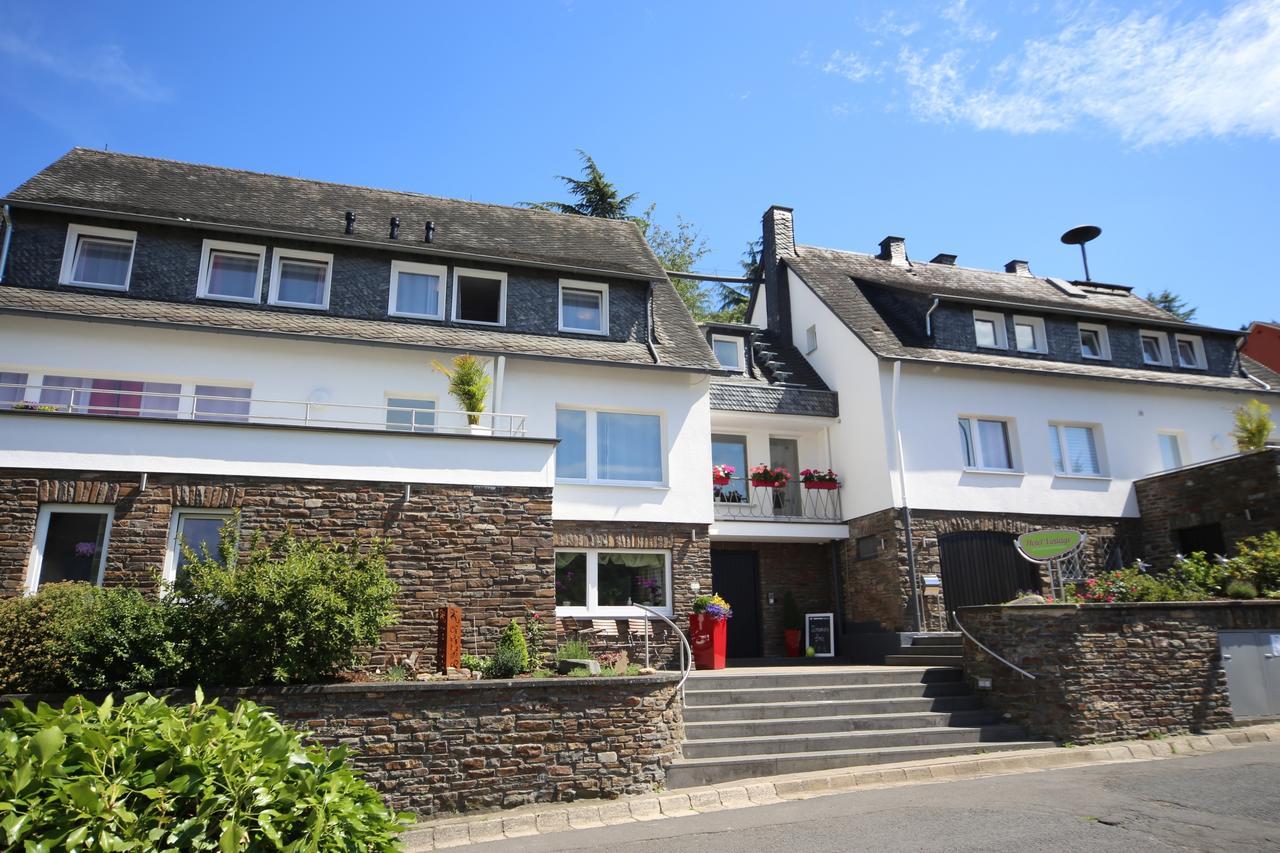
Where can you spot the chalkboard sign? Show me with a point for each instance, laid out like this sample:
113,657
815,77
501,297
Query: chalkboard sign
819,632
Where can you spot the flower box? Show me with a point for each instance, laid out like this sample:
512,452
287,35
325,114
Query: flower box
765,484
720,481
821,485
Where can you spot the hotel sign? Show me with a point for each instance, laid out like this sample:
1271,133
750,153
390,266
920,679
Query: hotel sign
1049,544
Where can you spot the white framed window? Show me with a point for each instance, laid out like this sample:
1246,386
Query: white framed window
98,257
1155,348
13,388
810,339
1076,450
610,447
584,307
411,414
1171,444
989,330
1094,342
480,296
118,397
986,444
417,290
300,279
1190,351
1029,334
226,403
231,271
729,352
70,545
200,531
593,582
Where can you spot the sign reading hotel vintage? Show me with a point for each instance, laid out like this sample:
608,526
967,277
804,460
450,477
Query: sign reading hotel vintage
1048,544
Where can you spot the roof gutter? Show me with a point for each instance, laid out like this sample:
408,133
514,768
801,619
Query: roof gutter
906,506
928,317
421,249
6,221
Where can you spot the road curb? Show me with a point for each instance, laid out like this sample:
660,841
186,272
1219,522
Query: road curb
548,818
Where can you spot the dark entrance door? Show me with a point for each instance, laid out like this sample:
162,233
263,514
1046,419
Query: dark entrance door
736,576
983,568
1205,537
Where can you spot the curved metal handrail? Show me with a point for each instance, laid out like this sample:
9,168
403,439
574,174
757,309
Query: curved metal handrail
955,617
686,656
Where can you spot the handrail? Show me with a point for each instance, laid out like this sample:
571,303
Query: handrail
956,618
686,657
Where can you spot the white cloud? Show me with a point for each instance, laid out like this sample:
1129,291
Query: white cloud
1150,77
964,24
105,67
847,65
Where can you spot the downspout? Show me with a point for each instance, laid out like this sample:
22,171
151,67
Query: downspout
499,375
837,576
906,505
648,336
928,318
7,221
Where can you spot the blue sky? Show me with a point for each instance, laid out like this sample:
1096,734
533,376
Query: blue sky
982,129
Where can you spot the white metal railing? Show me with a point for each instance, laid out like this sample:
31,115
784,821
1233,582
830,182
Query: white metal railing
258,410
956,619
740,500
686,650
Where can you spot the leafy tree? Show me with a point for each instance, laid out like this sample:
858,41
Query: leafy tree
594,193
678,249
1253,426
1173,303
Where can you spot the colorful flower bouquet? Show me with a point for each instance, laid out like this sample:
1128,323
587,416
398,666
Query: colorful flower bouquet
713,605
770,478
815,479
722,474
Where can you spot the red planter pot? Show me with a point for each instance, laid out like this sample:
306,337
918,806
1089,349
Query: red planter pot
765,484
720,481
707,636
822,485
791,638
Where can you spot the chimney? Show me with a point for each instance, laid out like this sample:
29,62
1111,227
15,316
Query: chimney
944,259
778,241
1018,268
894,250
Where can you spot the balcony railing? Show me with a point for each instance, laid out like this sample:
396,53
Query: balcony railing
741,501
213,408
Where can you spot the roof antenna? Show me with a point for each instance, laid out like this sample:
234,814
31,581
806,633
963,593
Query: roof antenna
1078,236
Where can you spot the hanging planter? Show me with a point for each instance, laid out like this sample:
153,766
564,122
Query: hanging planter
819,480
764,477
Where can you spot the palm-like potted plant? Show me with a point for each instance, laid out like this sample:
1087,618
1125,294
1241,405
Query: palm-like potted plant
468,385
767,477
813,478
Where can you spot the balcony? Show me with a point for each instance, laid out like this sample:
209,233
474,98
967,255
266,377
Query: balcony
741,501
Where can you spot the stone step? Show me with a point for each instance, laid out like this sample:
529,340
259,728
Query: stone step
830,708
931,650
691,772
713,729
947,639
821,693
727,679
844,741
918,659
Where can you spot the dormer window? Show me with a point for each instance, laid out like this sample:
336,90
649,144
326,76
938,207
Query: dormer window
1094,342
300,279
989,331
97,257
417,290
728,350
1155,348
1190,351
480,296
1029,334
231,271
584,307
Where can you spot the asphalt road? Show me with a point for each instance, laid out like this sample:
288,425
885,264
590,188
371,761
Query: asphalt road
1222,801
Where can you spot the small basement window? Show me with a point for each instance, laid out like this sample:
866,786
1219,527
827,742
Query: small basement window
480,296
97,257
231,271
70,545
301,279
584,307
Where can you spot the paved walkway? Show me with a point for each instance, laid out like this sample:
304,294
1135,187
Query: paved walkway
552,818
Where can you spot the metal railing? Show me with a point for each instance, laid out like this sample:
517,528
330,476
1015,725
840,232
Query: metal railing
686,650
216,408
956,619
740,500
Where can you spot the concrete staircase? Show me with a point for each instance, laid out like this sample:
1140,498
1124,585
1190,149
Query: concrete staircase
744,724
929,650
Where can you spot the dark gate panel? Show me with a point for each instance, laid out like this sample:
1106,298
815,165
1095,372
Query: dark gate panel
736,576
983,568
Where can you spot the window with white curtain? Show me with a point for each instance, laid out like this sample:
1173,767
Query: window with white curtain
231,271
609,447
13,386
417,290
1075,450
594,582
985,444
97,257
584,307
300,279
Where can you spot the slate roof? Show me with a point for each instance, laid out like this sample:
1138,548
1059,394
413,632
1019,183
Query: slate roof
803,393
81,306
126,183
832,275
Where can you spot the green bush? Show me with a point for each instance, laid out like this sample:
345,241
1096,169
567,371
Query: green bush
1133,584
35,652
475,663
1241,589
1199,572
150,776
1258,560
293,610
511,657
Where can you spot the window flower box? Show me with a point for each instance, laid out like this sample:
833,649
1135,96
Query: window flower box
812,478
722,474
764,477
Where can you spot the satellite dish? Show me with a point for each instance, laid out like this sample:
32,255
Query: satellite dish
1078,236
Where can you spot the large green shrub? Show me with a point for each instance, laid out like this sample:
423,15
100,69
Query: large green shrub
1258,560
146,775
1198,572
511,657
292,610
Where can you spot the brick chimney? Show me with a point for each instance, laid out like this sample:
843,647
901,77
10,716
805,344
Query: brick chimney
779,242
1018,268
894,250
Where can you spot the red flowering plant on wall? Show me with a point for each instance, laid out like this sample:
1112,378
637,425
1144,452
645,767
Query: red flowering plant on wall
814,478
764,475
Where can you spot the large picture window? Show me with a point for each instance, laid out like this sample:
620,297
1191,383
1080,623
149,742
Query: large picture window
70,545
601,583
609,447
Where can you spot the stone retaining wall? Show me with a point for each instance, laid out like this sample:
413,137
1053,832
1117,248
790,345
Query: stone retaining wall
464,746
1109,671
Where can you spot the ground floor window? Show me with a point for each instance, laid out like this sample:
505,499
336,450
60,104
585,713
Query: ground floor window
602,583
197,531
71,544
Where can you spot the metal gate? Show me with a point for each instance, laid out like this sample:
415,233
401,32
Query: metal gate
983,568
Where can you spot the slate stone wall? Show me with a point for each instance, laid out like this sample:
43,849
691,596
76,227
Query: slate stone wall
487,549
469,746
166,267
1109,671
1240,493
